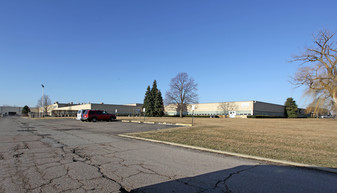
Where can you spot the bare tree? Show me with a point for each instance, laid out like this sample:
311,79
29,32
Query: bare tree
318,72
317,108
182,92
226,107
46,103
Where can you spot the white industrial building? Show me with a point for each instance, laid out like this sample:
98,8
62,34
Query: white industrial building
225,109
69,109
231,109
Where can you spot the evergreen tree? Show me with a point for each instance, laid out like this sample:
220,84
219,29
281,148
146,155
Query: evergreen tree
25,110
154,93
159,105
153,101
291,108
148,102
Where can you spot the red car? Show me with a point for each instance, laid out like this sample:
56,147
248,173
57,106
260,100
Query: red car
97,115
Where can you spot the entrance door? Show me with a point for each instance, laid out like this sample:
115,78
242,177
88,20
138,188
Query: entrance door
232,114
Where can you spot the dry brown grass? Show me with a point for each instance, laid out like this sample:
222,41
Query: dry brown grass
309,141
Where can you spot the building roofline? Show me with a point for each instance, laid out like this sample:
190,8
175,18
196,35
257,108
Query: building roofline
238,101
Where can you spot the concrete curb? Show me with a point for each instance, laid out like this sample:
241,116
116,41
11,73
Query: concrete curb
149,122
183,124
161,123
283,162
46,118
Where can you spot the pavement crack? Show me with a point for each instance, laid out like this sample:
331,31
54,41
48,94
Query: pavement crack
85,158
122,189
80,157
190,185
17,155
153,172
227,189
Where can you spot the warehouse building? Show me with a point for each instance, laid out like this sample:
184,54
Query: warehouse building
10,110
70,109
224,109
230,109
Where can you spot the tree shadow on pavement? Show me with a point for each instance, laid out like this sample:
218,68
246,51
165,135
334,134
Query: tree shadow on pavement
251,178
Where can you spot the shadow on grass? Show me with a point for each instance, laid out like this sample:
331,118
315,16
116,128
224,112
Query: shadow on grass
258,178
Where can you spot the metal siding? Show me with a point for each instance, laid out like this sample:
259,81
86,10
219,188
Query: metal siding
261,108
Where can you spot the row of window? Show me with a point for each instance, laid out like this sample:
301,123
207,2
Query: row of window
206,114
243,114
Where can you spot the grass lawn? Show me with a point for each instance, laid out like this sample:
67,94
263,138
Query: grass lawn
309,141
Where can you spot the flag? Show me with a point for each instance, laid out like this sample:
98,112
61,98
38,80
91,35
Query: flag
42,85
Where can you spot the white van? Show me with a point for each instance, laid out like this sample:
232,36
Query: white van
80,113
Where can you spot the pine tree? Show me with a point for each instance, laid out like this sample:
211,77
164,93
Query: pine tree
291,108
25,110
154,93
158,105
148,102
153,101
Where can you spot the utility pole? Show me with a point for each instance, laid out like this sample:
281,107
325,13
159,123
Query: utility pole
193,108
42,100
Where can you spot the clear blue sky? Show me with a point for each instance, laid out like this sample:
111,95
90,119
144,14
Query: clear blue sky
110,51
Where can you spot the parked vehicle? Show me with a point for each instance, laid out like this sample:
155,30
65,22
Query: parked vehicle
80,114
328,116
97,115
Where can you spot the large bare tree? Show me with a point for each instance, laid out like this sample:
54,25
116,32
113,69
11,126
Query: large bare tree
318,70
46,103
183,91
316,108
225,107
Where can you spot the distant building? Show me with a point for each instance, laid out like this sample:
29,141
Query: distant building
10,110
70,109
226,109
231,109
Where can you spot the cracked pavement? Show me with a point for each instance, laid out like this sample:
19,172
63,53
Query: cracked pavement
71,156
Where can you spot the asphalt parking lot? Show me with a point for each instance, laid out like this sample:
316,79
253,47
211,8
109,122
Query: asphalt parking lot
113,128
72,156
